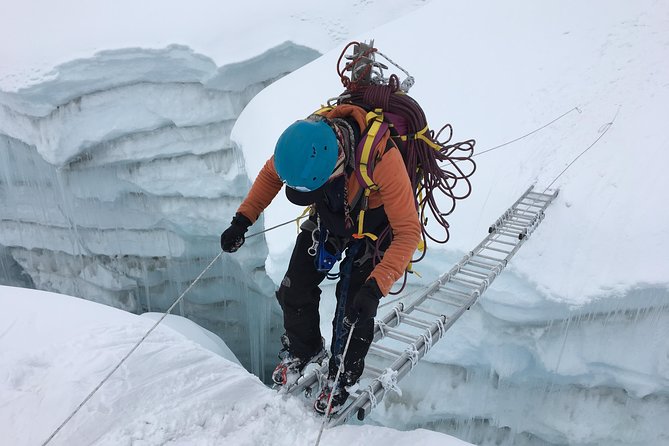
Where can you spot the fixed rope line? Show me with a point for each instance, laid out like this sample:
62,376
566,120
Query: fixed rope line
132,350
336,383
530,133
605,128
136,346
276,226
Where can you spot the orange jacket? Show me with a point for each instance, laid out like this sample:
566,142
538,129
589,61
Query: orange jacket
395,194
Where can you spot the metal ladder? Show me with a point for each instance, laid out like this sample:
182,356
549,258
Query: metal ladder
407,333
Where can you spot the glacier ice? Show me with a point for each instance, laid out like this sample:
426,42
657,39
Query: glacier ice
116,176
520,369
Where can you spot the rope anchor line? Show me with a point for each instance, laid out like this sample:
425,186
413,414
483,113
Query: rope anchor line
136,346
602,131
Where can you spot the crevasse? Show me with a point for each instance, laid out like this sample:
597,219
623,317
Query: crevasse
117,176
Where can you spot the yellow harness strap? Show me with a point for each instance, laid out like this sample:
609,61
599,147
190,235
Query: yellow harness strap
305,213
361,220
376,119
323,110
410,270
421,135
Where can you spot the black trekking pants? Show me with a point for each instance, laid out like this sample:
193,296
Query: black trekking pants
299,297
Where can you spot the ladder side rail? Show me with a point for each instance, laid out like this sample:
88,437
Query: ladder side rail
393,318
363,401
362,404
444,278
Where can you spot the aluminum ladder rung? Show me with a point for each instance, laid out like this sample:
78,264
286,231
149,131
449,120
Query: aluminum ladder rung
382,354
457,294
494,259
481,265
506,224
522,203
540,197
374,370
399,335
496,240
461,294
497,249
474,274
452,298
387,350
508,234
414,321
522,222
447,302
430,312
518,213
465,281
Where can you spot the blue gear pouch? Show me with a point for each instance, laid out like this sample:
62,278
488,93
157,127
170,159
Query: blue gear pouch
325,260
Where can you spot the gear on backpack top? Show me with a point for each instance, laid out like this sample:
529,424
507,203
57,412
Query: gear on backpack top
433,165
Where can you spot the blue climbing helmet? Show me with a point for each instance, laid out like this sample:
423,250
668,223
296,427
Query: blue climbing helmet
306,154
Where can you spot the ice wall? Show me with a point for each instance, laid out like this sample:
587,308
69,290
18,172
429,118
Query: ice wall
522,369
117,176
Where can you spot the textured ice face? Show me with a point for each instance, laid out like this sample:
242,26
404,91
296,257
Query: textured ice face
117,176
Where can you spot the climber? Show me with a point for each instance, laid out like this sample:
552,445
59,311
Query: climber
315,158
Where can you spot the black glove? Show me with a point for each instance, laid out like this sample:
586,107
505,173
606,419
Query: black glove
233,237
366,302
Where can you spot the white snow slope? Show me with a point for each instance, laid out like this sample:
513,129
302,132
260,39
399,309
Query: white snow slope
569,346
56,349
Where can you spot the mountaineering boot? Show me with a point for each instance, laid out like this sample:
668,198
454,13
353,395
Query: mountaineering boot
289,370
339,397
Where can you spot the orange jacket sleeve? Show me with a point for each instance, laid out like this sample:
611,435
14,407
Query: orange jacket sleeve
397,198
262,192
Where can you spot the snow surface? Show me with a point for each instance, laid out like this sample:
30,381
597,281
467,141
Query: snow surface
39,36
101,132
56,349
603,236
194,332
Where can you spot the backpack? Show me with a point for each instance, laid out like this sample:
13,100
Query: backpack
432,165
